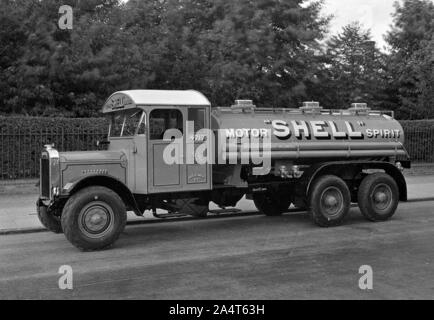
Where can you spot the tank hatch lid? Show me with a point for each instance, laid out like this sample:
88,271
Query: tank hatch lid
243,105
311,107
359,108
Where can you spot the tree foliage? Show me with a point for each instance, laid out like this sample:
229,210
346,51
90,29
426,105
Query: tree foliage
356,68
412,60
271,51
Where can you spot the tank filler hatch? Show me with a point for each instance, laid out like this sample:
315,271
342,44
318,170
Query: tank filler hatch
311,107
359,108
243,105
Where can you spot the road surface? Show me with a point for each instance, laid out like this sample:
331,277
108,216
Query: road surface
242,257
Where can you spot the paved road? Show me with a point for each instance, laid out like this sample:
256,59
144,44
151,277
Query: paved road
249,257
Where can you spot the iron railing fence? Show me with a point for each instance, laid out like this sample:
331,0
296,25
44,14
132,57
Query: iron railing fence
419,143
20,150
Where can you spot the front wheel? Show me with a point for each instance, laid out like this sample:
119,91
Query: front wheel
329,201
378,197
93,218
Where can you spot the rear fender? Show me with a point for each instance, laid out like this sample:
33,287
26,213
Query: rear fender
345,170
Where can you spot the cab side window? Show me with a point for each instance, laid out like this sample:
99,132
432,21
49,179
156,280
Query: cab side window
161,120
197,115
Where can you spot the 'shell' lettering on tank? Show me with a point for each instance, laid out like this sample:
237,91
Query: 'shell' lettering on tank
328,130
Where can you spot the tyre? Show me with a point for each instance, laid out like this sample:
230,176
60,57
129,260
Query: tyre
271,204
329,201
378,197
48,219
93,218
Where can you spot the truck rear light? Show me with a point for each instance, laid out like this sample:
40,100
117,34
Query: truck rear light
283,170
399,166
296,171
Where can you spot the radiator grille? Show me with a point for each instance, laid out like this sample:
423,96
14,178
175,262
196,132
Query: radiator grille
45,178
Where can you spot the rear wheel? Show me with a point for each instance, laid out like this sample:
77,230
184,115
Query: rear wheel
329,201
271,204
93,218
378,197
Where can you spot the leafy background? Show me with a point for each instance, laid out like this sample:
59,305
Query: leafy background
277,53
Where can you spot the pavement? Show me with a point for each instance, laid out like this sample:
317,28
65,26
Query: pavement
18,212
241,257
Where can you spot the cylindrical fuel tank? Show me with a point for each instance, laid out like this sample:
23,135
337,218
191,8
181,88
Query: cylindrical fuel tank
309,133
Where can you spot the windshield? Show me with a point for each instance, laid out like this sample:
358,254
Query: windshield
126,124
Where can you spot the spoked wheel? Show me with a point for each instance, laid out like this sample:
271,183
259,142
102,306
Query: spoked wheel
378,197
93,218
329,201
271,204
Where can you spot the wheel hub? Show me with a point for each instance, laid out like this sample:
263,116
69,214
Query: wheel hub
96,219
332,202
382,197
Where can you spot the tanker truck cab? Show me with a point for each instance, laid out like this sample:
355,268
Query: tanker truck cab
138,121
314,159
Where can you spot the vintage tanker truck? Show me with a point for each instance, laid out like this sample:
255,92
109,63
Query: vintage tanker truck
312,158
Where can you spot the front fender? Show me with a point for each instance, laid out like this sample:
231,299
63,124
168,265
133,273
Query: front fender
107,181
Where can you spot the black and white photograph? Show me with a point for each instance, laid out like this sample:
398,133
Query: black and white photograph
216,155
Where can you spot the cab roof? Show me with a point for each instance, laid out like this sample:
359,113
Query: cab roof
130,99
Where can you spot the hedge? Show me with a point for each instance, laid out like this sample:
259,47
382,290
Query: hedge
22,139
36,124
419,139
417,124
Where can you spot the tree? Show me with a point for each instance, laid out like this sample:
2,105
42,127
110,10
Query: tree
67,72
411,63
355,68
265,50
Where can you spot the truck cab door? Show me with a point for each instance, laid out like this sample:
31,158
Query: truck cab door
163,176
197,175
184,175
140,154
